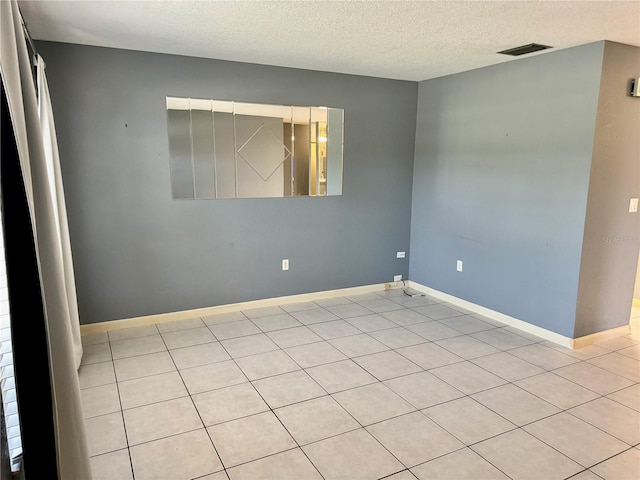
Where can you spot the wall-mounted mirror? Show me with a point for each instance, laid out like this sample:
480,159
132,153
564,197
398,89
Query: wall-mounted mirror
222,149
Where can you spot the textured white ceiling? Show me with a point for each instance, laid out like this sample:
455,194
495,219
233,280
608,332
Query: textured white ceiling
392,39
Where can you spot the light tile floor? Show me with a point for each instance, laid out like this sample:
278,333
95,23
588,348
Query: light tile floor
370,386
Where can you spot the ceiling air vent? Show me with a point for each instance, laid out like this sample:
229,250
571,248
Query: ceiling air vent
524,49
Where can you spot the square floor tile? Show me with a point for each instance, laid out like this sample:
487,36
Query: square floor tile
501,339
522,333
187,338
331,301
113,465
229,403
624,466
96,374
315,354
250,438
616,343
467,324
414,439
353,455
289,465
583,353
373,403
224,318
334,329
507,366
467,377
467,347
222,475
143,366
276,322
632,352
615,419
316,419
397,337
403,475
381,305
100,400
250,345
317,315
105,434
468,420
438,311
242,328
433,331
515,404
629,397
132,332
263,312
412,302
429,355
349,310
361,297
490,321
405,317
423,389
93,338
338,376
594,378
387,365
292,337
371,323
152,389
622,365
181,457
288,388
180,325
578,440
522,456
556,390
266,364
160,420
212,376
198,355
137,346
96,353
462,464
298,306
358,345
543,357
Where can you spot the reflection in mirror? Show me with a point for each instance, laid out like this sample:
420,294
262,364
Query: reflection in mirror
222,149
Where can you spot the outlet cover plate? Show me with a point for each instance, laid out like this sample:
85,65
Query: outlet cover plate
397,278
285,264
400,254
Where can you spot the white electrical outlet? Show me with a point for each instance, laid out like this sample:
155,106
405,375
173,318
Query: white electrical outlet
397,278
285,264
633,205
400,254
459,265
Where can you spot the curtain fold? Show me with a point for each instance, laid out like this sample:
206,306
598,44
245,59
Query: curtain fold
37,148
56,191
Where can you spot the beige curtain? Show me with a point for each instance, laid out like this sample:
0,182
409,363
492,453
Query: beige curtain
38,152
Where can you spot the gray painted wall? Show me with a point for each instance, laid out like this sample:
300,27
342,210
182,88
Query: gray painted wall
501,176
611,234
138,252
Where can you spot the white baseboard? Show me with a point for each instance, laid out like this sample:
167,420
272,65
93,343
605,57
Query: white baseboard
233,307
497,316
